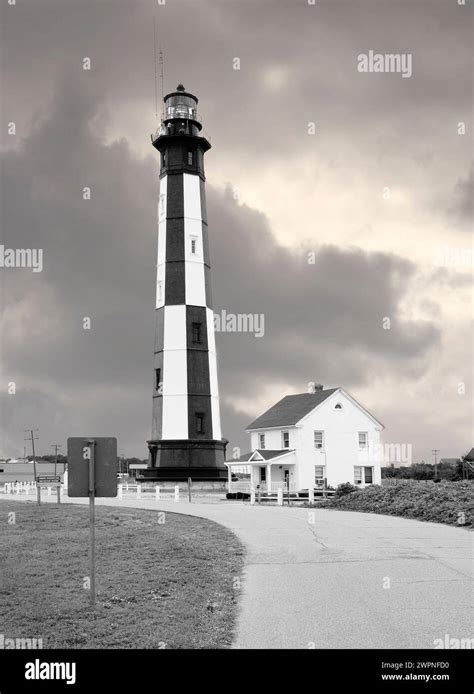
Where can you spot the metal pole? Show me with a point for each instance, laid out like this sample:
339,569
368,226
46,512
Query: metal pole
34,456
38,493
189,489
58,488
435,452
56,446
92,518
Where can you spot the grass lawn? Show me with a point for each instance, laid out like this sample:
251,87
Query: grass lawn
171,583
444,502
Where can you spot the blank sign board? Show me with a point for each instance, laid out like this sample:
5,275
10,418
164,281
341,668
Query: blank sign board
105,465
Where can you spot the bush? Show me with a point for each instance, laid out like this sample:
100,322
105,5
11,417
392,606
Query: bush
345,488
445,502
237,495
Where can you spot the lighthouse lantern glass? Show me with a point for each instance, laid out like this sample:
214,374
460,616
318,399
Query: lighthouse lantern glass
180,106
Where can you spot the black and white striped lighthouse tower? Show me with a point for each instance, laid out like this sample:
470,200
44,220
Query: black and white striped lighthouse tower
186,429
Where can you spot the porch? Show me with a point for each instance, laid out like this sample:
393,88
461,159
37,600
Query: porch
265,471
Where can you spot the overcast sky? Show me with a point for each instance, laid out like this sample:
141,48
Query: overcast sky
380,195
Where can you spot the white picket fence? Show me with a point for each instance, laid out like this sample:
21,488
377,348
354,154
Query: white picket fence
135,491
124,491
27,488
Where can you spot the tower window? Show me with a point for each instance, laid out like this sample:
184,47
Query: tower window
193,245
196,333
190,158
199,423
157,379
163,160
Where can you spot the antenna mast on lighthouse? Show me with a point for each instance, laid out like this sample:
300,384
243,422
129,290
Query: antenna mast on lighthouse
162,80
161,64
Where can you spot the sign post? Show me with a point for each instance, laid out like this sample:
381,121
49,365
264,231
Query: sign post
92,516
48,481
92,472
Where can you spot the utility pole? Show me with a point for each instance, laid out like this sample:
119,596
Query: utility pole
55,446
32,438
435,452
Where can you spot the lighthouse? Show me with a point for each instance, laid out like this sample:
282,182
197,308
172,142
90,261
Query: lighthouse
186,438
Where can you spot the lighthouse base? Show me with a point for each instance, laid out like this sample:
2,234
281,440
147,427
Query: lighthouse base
177,460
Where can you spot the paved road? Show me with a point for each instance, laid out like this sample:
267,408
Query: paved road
346,580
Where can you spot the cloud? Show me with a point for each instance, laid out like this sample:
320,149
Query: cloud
460,208
373,259
323,321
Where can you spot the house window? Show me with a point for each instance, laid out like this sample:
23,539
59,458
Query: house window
199,423
338,406
190,158
157,379
193,245
362,439
261,440
319,439
363,475
285,439
319,475
196,333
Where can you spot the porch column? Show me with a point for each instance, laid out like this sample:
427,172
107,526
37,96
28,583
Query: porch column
269,477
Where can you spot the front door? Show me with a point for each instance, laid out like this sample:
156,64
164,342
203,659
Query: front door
286,474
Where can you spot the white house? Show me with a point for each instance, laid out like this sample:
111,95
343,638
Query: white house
312,439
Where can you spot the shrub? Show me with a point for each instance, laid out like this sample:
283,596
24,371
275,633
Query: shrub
444,502
345,488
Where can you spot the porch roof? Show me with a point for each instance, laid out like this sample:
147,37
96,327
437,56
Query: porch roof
265,455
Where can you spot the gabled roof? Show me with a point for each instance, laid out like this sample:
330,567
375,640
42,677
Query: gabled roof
265,453
290,409
469,456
